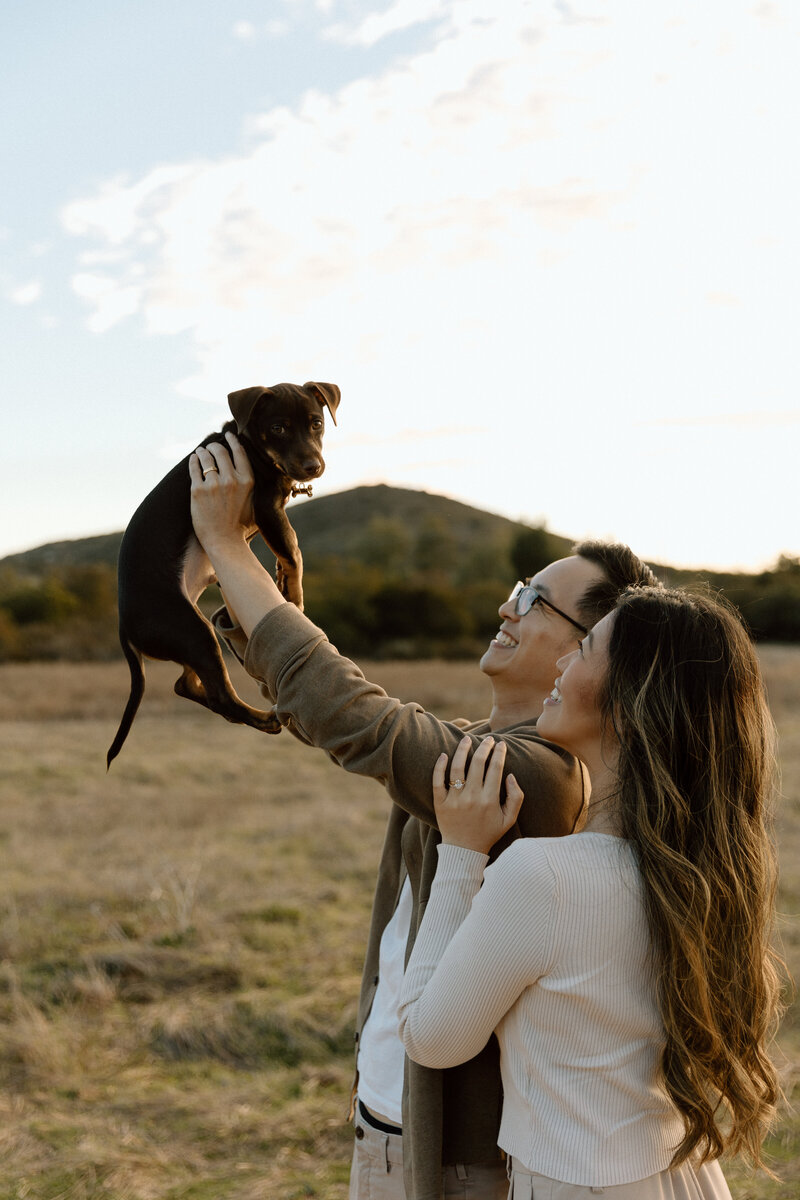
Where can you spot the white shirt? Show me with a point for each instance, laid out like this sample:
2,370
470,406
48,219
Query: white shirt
553,953
381,1053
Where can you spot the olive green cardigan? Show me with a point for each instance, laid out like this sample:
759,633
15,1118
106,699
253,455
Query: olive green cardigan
449,1116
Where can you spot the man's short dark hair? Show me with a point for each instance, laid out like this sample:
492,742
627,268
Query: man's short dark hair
621,568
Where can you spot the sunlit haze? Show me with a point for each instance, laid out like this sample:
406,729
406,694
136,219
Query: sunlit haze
548,251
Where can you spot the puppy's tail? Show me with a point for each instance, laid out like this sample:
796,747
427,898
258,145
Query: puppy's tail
136,664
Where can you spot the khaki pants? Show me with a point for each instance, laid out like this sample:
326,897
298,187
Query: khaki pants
685,1183
377,1171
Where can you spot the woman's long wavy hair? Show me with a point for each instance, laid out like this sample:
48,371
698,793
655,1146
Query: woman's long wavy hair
685,698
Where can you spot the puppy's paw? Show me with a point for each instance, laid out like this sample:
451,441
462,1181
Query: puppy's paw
271,723
289,583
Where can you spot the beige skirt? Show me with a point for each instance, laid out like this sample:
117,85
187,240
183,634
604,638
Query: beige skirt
684,1183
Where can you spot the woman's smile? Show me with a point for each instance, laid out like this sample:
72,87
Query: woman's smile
571,712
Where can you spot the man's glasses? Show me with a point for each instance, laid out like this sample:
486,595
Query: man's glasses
526,596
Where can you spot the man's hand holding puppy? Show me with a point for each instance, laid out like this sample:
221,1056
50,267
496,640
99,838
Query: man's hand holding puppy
222,515
222,492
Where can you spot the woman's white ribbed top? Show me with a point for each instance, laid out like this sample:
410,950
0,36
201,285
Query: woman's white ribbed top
552,953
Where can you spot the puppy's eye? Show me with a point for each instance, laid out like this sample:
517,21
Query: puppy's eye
277,429
317,423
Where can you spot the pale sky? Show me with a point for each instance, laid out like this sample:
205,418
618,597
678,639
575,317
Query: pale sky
548,251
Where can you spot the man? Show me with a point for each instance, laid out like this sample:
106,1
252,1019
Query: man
421,1134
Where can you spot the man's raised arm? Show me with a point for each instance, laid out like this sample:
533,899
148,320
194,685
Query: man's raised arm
327,697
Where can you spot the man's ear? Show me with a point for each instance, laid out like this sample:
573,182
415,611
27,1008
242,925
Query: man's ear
329,394
242,404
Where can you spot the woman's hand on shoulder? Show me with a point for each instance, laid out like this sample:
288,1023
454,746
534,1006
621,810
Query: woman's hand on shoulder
469,807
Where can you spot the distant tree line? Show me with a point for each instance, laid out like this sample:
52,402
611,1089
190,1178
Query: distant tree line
62,613
398,593
769,601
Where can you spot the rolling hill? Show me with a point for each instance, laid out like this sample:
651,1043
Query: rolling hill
325,525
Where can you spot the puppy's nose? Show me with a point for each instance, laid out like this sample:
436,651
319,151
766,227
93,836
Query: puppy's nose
312,466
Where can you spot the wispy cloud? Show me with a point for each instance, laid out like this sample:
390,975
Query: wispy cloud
246,31
26,293
402,14
546,217
112,302
351,202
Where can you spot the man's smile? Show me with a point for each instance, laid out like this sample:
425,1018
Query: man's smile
505,639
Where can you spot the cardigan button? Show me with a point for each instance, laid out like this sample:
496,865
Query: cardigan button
359,1132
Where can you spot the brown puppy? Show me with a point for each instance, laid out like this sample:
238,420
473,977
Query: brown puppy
163,570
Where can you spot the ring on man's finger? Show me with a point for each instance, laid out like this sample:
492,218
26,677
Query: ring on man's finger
457,784
210,471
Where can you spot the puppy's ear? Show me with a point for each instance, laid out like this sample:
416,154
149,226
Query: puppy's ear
328,394
242,404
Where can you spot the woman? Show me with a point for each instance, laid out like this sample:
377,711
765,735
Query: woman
626,969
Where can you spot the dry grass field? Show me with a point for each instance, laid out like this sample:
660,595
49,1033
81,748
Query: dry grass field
181,940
